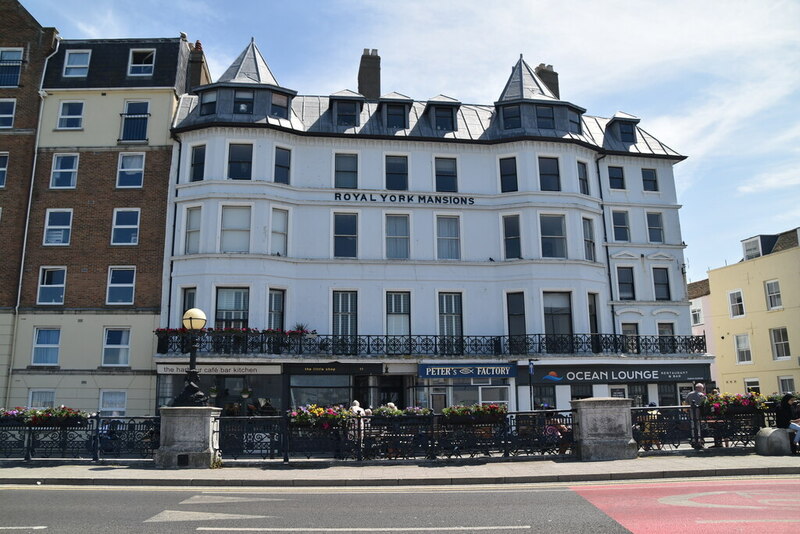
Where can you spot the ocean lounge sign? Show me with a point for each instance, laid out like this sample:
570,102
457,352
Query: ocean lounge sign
609,374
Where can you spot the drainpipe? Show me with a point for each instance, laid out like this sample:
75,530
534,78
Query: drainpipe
177,139
42,96
605,246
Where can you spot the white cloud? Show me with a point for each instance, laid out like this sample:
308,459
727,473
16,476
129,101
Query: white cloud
785,177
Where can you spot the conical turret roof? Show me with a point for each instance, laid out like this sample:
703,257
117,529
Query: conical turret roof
249,68
524,84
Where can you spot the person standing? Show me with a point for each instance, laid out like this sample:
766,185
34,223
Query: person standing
695,400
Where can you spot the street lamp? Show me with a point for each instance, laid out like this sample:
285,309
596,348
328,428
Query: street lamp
194,320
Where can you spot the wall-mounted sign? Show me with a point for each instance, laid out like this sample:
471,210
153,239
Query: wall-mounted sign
453,200
467,370
333,368
219,369
609,374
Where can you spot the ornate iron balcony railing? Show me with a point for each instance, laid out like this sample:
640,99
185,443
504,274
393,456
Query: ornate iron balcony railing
262,343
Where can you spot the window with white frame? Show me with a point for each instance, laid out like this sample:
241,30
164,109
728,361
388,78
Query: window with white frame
46,342
786,384
130,170
197,169
588,240
697,316
345,235
549,174
277,298
52,282
193,218
625,283
283,162
655,228
76,63
3,168
554,236
661,283
208,103
41,398
7,106
57,227
397,173
235,229
125,227
280,232
621,228
450,315
113,403
448,240
742,344
736,301
508,175
121,285
345,313
70,116
117,346
583,178
142,62
752,248
345,171
649,180
134,121
188,298
64,174
10,66
398,313
512,241
233,307
773,290
280,106
397,237
446,170
752,385
779,338
240,161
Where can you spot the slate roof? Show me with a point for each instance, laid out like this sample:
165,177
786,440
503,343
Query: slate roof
699,289
524,84
108,64
249,67
777,242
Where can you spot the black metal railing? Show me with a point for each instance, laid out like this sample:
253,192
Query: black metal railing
398,438
91,438
658,428
9,72
134,126
226,342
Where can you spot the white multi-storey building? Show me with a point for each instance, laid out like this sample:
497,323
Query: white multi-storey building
439,250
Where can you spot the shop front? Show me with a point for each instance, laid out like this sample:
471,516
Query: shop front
555,384
440,385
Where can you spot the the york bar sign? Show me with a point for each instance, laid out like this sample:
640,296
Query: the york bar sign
405,198
469,370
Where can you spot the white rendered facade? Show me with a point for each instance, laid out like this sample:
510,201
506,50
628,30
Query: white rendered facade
480,245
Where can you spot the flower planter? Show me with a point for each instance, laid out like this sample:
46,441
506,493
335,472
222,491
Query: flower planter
474,419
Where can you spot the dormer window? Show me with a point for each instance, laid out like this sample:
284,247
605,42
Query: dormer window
142,62
76,64
396,116
443,117
243,101
208,103
574,121
346,113
280,106
512,117
545,118
627,132
752,248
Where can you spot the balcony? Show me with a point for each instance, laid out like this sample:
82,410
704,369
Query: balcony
261,344
9,72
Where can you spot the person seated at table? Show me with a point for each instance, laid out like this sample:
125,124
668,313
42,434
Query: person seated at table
786,417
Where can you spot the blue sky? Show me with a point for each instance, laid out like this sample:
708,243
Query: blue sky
717,80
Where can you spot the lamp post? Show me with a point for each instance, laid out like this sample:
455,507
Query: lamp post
194,320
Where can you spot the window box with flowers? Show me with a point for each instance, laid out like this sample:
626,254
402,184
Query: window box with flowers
476,413
727,403
60,416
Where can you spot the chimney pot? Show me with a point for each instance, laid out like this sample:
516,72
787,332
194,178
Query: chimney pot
549,77
366,51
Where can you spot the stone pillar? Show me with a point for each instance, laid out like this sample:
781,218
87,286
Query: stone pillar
189,437
603,429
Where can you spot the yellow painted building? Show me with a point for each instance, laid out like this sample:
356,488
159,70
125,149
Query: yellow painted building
755,306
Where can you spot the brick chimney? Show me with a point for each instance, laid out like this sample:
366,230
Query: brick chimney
197,70
549,77
369,74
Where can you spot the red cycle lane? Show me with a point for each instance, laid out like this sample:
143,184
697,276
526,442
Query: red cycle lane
707,506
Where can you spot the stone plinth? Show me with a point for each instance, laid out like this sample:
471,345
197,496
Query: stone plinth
603,429
189,437
773,442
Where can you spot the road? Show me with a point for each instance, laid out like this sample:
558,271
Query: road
764,505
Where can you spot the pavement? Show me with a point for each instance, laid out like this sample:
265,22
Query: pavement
408,473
